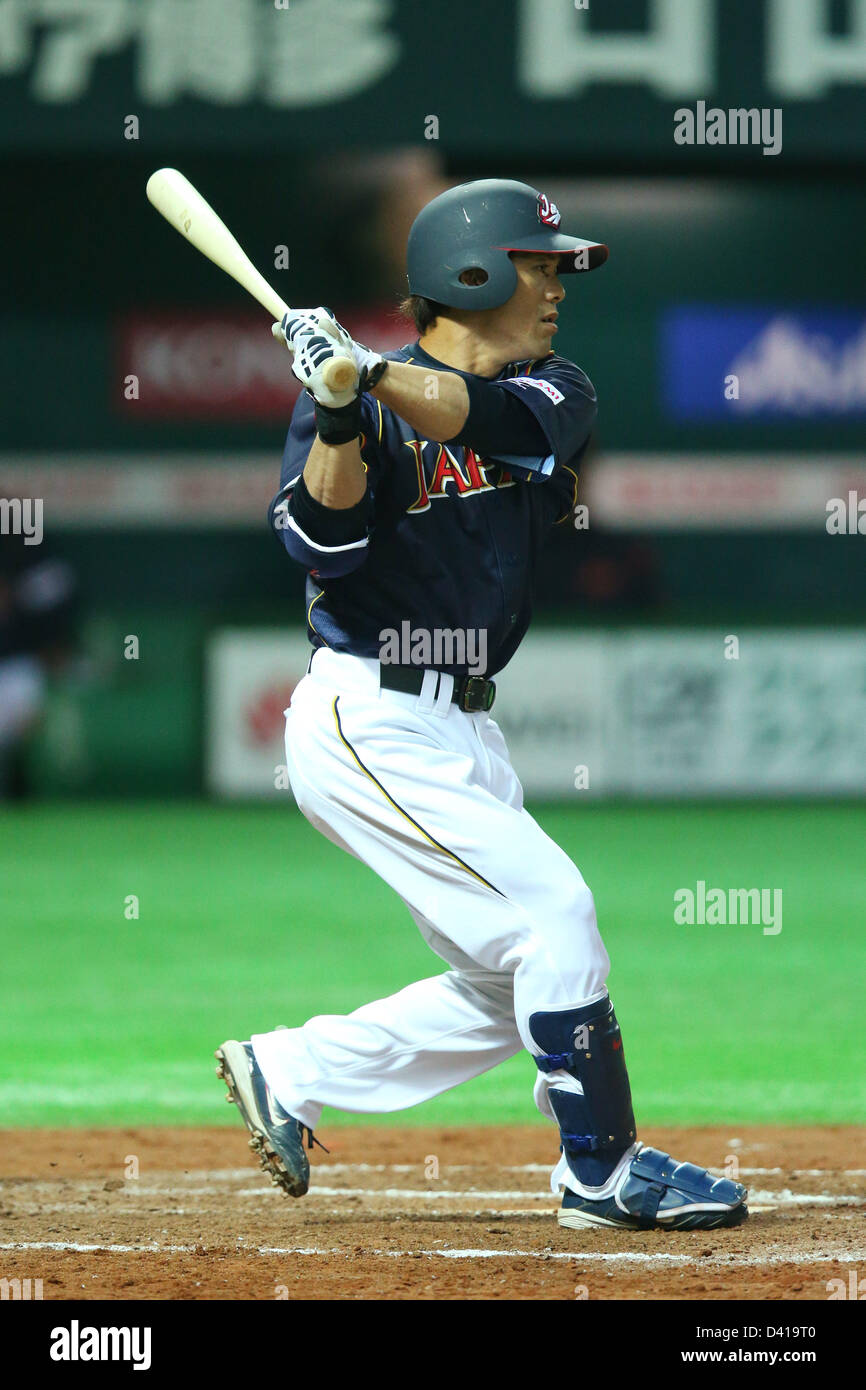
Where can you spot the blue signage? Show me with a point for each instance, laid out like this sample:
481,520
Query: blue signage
741,364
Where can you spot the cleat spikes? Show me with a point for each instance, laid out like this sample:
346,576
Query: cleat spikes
280,1151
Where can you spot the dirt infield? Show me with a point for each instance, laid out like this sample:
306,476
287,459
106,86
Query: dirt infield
411,1214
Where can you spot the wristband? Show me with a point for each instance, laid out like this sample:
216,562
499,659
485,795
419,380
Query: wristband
338,424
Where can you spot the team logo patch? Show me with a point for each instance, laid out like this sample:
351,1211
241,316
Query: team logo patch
540,384
548,212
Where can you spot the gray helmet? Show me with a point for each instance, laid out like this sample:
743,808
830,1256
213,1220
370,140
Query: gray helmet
475,225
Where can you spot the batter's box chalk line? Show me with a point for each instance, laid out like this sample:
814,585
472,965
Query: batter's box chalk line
775,1256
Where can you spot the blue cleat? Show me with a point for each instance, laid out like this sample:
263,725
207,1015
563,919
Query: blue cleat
657,1192
277,1137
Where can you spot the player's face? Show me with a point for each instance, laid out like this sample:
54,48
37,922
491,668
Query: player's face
528,319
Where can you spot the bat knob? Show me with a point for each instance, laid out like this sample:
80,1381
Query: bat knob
340,374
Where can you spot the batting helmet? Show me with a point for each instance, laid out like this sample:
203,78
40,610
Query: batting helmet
474,226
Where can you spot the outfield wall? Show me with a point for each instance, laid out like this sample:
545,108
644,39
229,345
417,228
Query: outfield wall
634,713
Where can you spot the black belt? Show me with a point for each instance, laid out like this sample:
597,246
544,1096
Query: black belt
471,693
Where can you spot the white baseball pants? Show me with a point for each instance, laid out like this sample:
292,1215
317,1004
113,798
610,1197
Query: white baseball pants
426,795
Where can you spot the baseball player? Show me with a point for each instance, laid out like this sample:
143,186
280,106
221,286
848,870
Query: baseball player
418,502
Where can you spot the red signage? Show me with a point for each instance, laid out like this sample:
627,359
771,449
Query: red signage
192,365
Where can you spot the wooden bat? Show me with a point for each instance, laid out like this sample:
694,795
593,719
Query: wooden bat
183,206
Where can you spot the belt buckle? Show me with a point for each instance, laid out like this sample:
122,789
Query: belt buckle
478,694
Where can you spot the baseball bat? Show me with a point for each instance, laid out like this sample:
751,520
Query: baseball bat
183,206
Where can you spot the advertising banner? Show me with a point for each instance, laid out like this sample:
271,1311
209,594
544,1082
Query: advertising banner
249,679
502,76
650,714
642,714
188,365
720,362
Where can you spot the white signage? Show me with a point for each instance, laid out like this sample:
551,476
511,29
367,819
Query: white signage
250,676
638,713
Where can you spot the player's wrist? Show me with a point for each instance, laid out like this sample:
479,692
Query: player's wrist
371,375
338,424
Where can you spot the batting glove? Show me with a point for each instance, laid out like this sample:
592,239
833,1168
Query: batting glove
312,353
300,323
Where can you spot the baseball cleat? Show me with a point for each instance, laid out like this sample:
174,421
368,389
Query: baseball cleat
276,1136
657,1192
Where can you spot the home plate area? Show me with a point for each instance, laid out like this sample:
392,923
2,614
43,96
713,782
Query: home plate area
412,1213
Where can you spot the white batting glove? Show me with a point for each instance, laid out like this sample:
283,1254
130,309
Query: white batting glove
312,353
300,323
366,360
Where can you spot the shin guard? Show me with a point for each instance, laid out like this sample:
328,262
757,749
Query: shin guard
597,1127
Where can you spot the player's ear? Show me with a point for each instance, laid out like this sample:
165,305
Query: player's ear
474,276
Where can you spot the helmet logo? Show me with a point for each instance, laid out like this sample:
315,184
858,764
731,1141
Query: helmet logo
548,212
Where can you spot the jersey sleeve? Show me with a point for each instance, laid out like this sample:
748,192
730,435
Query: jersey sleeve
327,560
563,401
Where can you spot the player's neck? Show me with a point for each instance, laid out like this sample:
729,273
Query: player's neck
458,345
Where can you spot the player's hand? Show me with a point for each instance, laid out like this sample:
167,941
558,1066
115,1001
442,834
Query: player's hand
312,353
298,323
366,360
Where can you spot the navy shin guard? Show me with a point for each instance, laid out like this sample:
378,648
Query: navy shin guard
597,1127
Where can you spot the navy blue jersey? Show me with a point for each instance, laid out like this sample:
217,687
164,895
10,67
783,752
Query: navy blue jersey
452,539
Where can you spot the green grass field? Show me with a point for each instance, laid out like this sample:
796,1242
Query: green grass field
249,918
